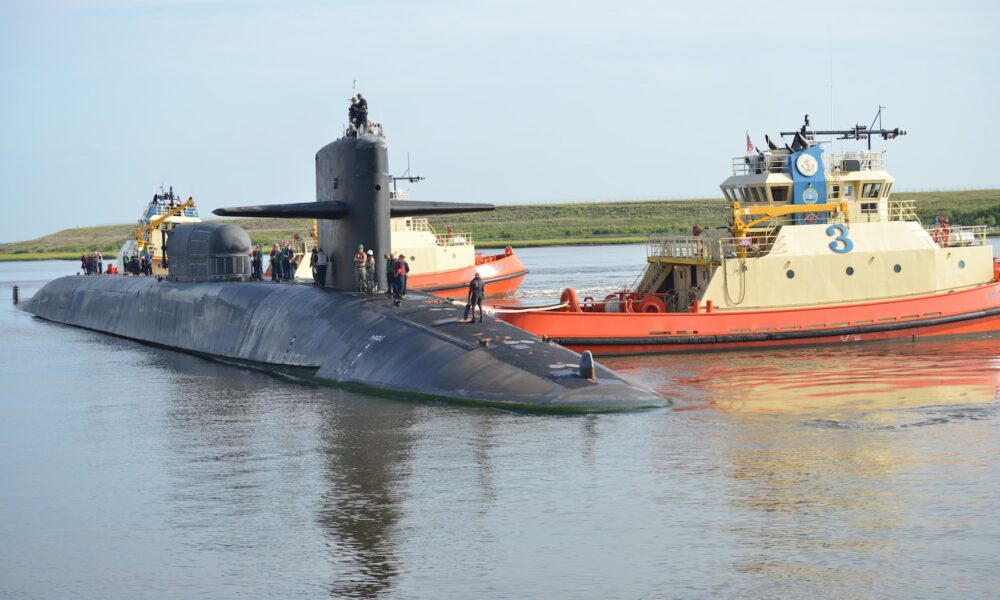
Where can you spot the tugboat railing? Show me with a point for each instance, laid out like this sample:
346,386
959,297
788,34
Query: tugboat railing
957,236
679,246
902,210
707,250
441,239
833,162
453,239
157,210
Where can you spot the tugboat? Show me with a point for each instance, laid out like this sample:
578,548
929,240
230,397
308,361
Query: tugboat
817,251
442,264
164,212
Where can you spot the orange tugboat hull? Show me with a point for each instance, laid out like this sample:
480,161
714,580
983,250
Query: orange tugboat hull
971,311
502,274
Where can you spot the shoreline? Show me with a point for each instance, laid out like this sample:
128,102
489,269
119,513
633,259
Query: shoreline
490,245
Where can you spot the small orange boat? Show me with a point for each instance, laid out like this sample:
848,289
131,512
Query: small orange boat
502,273
817,252
443,263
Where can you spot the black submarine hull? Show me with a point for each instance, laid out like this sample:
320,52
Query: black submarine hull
421,349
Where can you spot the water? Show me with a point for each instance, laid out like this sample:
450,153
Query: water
849,472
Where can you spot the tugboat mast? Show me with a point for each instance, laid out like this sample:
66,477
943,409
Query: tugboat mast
859,132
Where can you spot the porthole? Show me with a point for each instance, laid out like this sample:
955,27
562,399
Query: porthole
790,274
850,270
897,268
378,188
961,264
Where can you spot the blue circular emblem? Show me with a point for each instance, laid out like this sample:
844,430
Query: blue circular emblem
810,195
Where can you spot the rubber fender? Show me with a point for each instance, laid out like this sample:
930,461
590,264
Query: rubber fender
651,304
569,296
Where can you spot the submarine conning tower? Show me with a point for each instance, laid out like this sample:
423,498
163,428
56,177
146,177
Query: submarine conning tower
353,205
354,171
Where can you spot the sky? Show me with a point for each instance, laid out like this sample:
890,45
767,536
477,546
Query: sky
511,102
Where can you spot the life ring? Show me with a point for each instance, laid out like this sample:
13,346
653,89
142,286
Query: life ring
589,306
569,297
651,304
508,251
439,241
940,236
996,270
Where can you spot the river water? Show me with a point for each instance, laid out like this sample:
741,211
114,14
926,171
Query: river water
128,471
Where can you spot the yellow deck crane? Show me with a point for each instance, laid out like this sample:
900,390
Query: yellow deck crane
758,214
142,233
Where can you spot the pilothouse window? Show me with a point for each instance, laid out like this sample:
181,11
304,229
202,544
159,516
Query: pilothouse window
871,190
779,193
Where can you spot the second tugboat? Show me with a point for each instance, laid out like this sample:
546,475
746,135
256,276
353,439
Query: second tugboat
164,212
817,252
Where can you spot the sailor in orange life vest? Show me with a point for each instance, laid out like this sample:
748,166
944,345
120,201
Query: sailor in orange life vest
475,299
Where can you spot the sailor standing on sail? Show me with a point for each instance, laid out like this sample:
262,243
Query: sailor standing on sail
361,120
352,113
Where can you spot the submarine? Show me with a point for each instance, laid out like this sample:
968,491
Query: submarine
421,349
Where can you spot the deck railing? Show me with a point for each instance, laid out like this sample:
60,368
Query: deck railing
453,239
902,210
157,210
441,239
755,245
679,246
705,249
959,235
833,162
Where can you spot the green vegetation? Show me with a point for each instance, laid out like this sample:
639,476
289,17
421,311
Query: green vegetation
530,225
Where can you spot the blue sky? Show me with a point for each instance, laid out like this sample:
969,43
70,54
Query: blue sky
503,102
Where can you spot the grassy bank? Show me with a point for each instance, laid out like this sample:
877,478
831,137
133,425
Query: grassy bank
529,225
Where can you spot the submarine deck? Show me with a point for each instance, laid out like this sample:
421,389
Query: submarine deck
420,349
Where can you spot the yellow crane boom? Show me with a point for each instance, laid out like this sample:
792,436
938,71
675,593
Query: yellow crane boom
760,213
142,232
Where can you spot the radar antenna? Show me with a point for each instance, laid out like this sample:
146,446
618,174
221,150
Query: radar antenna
406,176
859,132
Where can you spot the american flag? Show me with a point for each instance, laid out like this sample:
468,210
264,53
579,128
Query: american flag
749,144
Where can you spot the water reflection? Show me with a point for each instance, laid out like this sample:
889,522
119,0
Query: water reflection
367,452
821,447
861,381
